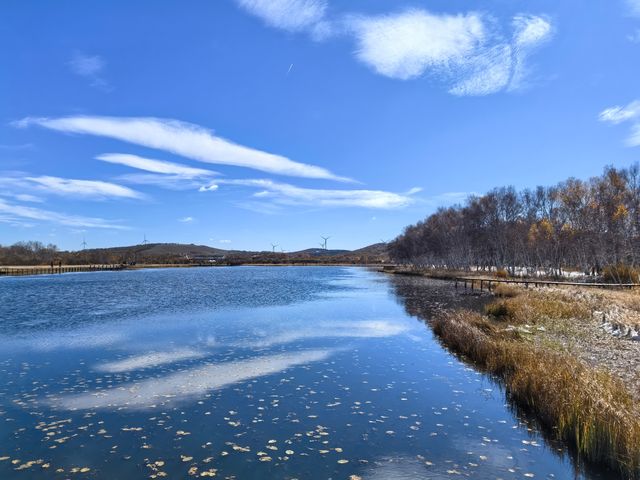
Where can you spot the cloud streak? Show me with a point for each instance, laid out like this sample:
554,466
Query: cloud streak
189,383
155,166
95,189
170,175
291,15
181,138
622,114
285,194
147,360
363,329
10,210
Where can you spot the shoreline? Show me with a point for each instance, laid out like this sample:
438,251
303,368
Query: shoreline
32,270
556,360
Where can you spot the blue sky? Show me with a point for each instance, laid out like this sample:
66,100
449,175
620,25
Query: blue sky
241,123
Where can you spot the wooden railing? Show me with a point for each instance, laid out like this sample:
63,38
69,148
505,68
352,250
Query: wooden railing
472,283
56,269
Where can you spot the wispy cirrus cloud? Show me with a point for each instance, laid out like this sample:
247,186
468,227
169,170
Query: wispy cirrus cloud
90,67
621,114
170,175
471,53
531,32
95,189
285,194
292,15
10,212
186,220
184,139
155,166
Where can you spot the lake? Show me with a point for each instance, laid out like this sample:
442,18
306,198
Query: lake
249,373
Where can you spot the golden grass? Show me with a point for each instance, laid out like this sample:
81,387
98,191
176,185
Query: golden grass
501,273
506,291
588,408
535,307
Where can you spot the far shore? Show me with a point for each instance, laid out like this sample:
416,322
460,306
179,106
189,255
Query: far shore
25,270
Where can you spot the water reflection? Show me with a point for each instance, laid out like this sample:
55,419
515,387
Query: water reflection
247,373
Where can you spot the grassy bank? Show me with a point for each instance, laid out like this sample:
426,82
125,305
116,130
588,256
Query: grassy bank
520,340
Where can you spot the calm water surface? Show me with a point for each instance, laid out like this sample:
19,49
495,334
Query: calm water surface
246,373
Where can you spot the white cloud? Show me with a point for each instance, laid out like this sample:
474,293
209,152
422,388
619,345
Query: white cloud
225,241
31,213
468,50
152,359
190,383
91,67
25,197
292,15
531,30
286,194
83,188
185,139
490,71
155,166
530,33
405,45
186,219
628,113
620,114
363,329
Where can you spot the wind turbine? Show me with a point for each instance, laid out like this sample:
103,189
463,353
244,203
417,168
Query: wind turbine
84,243
273,247
145,241
324,241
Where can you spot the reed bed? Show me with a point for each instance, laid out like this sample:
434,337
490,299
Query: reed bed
520,307
588,408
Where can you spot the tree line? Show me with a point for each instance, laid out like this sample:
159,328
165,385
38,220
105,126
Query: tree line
592,226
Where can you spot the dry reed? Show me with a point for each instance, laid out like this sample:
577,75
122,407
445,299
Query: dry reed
587,408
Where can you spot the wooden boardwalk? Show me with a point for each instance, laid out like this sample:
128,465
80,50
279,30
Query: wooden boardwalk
489,283
56,269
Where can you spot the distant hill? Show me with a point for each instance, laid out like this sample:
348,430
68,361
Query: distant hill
178,253
375,249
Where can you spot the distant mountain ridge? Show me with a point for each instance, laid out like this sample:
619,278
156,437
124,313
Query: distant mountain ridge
179,253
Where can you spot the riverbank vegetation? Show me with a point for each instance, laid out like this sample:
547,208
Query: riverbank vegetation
588,226
558,357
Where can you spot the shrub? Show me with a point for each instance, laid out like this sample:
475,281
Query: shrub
499,310
505,291
534,307
502,273
621,273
